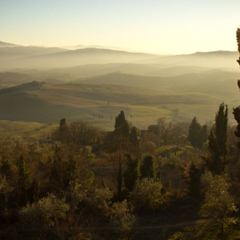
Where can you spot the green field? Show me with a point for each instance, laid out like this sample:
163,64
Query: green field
25,129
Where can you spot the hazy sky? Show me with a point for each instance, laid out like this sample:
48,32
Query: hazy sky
158,26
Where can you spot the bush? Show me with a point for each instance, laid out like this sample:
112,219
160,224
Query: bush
148,196
122,221
44,214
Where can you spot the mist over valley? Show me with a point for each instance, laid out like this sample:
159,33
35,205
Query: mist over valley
42,84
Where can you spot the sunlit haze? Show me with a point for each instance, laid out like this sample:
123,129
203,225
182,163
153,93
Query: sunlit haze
156,26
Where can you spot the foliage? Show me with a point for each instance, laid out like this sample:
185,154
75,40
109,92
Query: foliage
217,142
197,134
82,185
135,136
194,181
94,200
148,168
65,170
27,189
173,174
148,196
80,133
236,111
122,220
131,174
218,204
121,126
238,38
44,214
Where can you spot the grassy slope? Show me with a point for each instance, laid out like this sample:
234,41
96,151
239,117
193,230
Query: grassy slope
99,104
25,129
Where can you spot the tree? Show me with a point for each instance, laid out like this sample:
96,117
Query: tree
121,125
197,134
27,188
164,130
218,204
44,214
131,174
217,142
194,181
134,136
82,133
122,220
236,111
203,135
62,122
118,144
148,196
65,171
148,168
79,133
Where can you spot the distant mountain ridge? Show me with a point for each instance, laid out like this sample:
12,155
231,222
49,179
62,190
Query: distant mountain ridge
5,44
18,56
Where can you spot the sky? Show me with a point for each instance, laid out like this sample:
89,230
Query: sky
152,26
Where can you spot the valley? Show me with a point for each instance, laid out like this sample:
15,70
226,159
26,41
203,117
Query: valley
43,85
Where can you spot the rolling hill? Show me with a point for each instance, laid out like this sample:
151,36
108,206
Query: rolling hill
43,57
100,103
216,59
44,85
210,82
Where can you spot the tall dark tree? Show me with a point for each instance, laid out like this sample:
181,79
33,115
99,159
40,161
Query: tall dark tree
62,122
131,174
203,135
217,142
194,181
121,125
194,131
134,136
197,134
27,189
64,170
236,111
148,169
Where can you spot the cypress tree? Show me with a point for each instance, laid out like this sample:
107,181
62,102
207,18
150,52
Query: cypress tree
131,175
194,132
121,125
217,142
236,111
197,134
148,169
134,136
24,182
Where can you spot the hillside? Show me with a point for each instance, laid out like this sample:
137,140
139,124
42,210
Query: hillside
211,82
100,103
31,57
8,79
85,56
90,70
217,59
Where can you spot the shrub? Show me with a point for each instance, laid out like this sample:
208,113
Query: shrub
147,196
44,214
122,221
